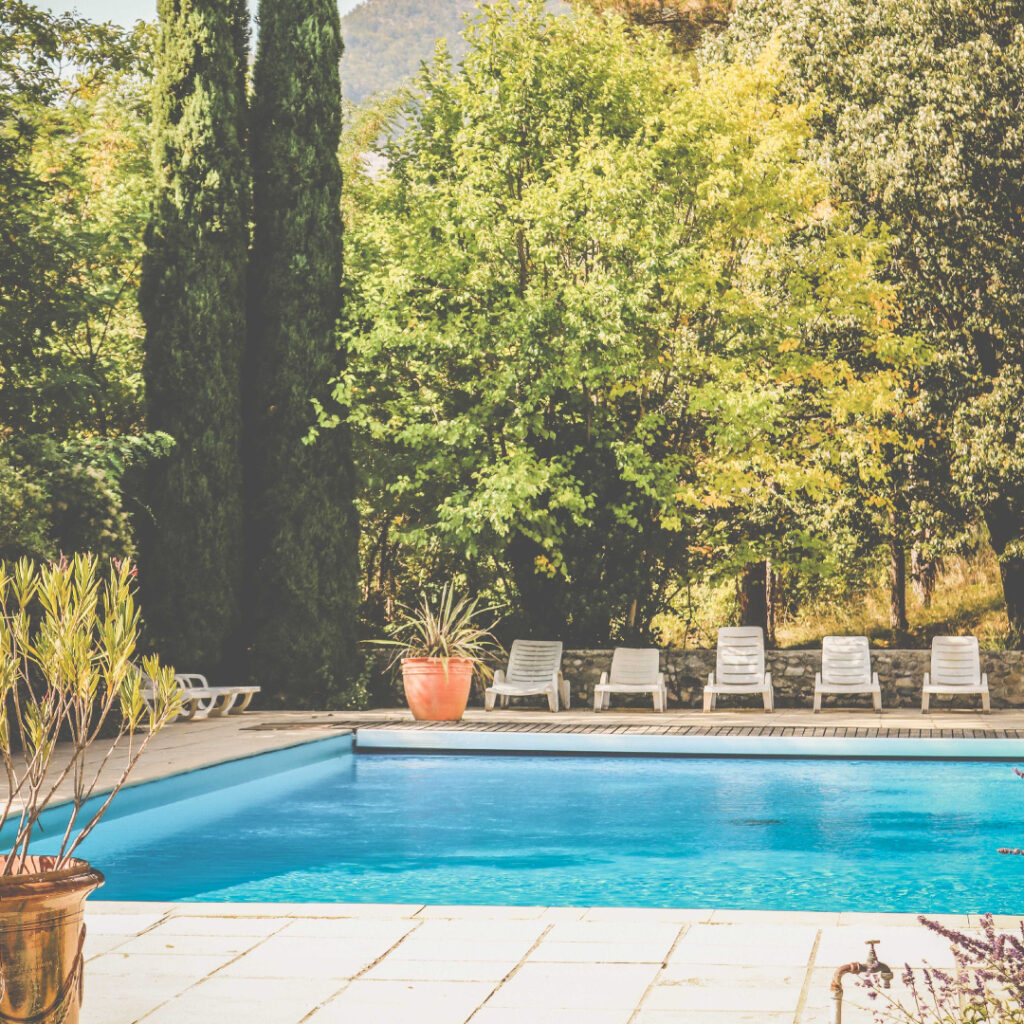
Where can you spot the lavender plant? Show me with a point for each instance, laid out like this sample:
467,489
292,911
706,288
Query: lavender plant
985,985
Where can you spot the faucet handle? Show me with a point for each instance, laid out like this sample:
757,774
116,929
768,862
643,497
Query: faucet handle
875,966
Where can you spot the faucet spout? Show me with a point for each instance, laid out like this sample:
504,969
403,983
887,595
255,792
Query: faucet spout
871,966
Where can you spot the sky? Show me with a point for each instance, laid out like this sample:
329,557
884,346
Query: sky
125,12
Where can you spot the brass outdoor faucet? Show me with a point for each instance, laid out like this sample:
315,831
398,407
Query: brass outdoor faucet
871,966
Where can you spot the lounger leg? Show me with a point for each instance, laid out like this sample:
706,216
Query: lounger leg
925,695
219,710
876,698
709,701
769,700
985,705
817,701
489,696
246,701
189,709
553,699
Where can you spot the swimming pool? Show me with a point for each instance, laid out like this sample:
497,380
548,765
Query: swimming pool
318,823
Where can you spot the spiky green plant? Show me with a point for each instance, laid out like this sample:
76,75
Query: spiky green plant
445,630
68,639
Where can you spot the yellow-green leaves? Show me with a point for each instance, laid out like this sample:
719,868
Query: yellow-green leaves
596,304
68,638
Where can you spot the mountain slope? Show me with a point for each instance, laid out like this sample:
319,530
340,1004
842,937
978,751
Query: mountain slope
385,41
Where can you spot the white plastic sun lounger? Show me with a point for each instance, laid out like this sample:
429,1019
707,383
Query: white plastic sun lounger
845,669
956,668
534,666
634,670
739,666
200,699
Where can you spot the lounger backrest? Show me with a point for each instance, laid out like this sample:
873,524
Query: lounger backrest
191,680
532,662
740,660
955,661
845,661
634,666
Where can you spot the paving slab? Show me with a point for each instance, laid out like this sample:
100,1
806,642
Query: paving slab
194,964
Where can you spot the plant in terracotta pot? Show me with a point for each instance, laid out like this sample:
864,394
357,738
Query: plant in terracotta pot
69,684
441,648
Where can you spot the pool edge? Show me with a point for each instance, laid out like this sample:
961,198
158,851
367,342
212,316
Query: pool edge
608,744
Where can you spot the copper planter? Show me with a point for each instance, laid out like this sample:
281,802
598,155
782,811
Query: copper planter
42,930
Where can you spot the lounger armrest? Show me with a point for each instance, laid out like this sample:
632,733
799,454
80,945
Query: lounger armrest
499,677
767,680
817,680
604,679
556,676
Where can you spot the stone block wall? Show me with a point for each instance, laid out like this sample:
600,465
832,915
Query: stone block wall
900,673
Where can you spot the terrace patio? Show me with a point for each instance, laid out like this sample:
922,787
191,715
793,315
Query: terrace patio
321,963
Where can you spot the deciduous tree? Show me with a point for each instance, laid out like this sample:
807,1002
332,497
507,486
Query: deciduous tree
920,119
599,312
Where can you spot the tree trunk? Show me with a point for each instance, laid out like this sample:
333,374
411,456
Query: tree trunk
897,578
753,596
771,599
923,573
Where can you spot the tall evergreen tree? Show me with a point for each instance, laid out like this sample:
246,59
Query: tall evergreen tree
302,524
193,301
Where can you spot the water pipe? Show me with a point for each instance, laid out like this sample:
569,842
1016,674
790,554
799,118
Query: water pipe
871,966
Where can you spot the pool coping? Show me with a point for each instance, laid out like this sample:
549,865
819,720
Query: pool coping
137,794
374,739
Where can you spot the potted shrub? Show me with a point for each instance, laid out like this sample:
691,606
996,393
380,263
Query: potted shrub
68,681
440,649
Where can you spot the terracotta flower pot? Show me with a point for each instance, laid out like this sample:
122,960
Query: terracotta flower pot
42,930
437,689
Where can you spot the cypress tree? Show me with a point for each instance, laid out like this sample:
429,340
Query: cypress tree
303,532
193,298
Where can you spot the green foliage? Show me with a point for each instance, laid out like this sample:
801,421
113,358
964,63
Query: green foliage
193,302
920,121
302,525
69,635
74,174
597,310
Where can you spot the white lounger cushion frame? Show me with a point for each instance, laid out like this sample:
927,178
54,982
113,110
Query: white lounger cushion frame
634,670
846,668
534,666
200,699
956,668
739,666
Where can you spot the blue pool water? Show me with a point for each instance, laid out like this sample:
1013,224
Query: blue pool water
805,834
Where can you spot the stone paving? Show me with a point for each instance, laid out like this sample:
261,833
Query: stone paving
377,964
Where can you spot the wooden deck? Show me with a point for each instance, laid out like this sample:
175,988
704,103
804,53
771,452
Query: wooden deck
897,724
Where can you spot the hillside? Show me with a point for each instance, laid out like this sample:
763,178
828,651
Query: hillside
385,41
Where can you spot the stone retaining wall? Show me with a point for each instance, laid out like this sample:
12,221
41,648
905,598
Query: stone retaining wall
900,673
